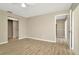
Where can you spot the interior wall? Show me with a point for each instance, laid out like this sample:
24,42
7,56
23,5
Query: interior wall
43,26
3,27
68,29
76,29
22,25
23,28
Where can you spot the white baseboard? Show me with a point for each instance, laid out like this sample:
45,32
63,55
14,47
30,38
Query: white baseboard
4,42
22,38
40,39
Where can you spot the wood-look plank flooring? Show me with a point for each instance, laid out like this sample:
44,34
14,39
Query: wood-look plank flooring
34,47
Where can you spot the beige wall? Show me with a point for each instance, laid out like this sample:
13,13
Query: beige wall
68,30
76,30
22,28
3,27
43,26
22,25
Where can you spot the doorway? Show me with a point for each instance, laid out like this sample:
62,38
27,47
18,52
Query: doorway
13,30
62,24
10,29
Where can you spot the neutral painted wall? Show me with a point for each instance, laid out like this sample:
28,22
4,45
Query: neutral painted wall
76,30
73,7
22,25
22,28
68,30
43,26
3,27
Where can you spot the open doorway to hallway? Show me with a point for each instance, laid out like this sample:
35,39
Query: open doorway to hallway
13,30
63,29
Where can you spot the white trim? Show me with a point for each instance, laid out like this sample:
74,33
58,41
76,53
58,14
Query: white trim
73,30
55,28
70,28
10,18
61,14
4,42
22,38
40,39
66,29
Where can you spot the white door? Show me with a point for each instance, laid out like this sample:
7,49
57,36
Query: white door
15,29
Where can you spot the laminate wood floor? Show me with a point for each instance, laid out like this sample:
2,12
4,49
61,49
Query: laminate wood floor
34,47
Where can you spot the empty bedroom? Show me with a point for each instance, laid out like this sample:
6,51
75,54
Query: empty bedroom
39,28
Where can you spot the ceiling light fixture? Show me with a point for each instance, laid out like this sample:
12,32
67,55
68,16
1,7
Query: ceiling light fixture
23,5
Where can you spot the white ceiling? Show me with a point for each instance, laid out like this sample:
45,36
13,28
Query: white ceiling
34,9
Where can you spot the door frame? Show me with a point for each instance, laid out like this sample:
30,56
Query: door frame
14,19
55,23
72,29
